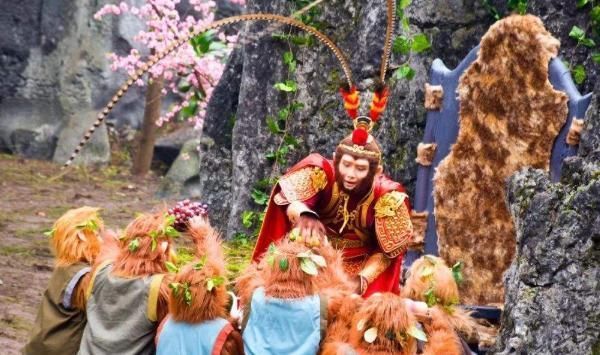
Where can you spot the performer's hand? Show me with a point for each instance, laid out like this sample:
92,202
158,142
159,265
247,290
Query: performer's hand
311,229
419,309
199,222
110,246
361,284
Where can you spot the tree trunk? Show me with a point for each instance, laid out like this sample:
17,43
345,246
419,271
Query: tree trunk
145,149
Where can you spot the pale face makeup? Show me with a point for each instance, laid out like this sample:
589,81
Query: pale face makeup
353,171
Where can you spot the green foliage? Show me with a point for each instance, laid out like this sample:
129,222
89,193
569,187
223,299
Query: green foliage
287,86
579,35
579,74
420,43
200,264
91,225
457,272
298,40
248,218
290,61
595,18
260,197
213,282
402,45
405,45
171,267
403,4
182,290
582,3
583,39
284,264
190,110
202,42
519,6
277,124
491,9
405,72
134,245
308,266
430,297
309,17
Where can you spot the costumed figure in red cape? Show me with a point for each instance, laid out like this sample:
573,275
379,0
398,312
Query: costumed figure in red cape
348,199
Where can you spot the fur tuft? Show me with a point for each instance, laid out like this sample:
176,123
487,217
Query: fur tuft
143,261
389,314
431,272
75,236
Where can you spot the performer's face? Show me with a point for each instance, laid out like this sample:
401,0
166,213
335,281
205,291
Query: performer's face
353,172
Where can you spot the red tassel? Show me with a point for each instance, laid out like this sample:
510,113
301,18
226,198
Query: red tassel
351,101
360,136
378,103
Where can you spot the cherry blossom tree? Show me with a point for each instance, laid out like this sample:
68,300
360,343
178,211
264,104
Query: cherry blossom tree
191,72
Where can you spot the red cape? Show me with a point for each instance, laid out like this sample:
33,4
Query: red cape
276,224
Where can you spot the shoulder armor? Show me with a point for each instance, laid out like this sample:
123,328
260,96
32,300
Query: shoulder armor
392,223
300,185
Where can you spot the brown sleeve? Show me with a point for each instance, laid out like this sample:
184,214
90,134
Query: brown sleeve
78,297
162,306
246,283
234,345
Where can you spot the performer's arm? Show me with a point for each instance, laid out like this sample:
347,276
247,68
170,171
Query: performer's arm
162,306
234,344
299,194
394,232
299,190
375,265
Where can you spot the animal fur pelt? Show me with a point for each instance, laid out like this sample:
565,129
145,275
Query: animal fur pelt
509,118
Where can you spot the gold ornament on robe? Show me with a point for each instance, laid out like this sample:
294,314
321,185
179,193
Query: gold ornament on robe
300,185
392,223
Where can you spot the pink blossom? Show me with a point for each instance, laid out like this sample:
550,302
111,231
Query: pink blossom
164,25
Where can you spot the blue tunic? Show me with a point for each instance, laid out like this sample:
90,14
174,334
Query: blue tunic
180,338
278,326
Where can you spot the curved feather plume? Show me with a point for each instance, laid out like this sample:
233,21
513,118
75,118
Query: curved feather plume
380,97
178,43
351,100
350,95
387,45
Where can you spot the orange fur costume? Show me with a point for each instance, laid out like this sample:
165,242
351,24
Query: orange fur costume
430,280
133,288
509,117
383,325
204,303
282,276
76,243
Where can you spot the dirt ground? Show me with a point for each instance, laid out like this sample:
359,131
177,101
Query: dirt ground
32,197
